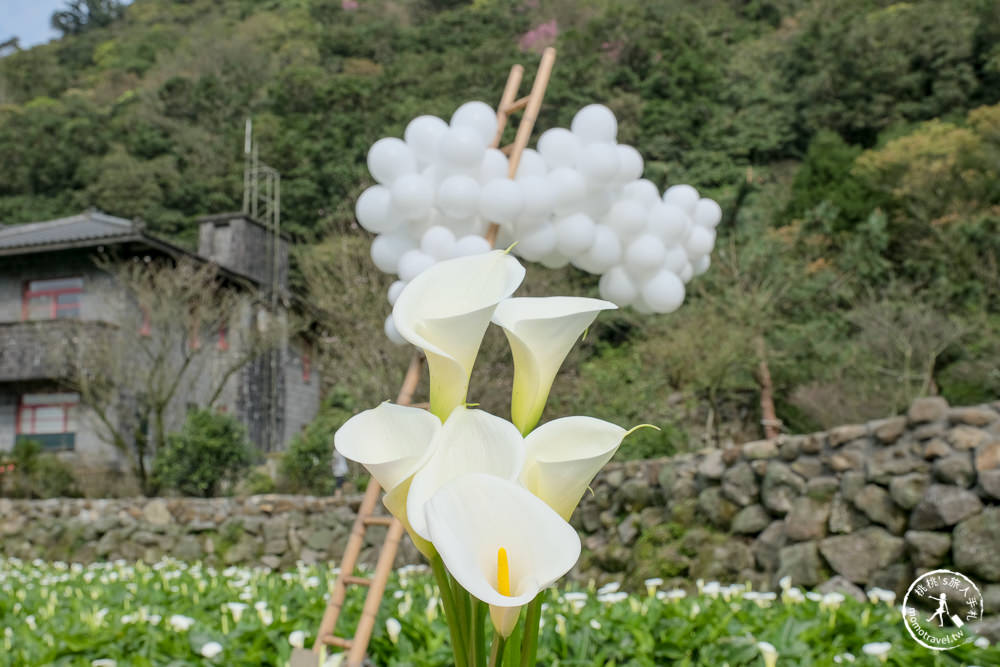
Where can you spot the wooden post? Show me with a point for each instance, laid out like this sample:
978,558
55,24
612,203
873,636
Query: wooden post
768,417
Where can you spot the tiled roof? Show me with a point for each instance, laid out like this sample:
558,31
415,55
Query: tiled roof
86,226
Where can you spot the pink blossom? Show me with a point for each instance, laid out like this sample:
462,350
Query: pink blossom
539,37
348,5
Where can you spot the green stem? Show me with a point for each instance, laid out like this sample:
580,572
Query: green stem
444,586
479,635
529,645
496,654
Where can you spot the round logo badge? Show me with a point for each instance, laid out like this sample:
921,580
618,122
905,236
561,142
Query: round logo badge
937,607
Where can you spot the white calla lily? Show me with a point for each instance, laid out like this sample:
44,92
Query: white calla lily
390,441
500,542
563,455
445,311
470,441
541,332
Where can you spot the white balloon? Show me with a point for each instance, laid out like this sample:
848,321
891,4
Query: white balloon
501,201
435,174
413,263
392,333
597,203
645,254
568,189
395,290
458,196
416,228
700,242
480,117
675,259
438,242
627,217
474,226
686,273
374,210
421,136
707,213
531,165
630,164
554,261
471,245
389,158
595,122
641,306
538,244
616,287
575,234
537,197
558,147
494,166
506,237
387,249
683,196
460,148
598,162
643,191
605,252
412,196
701,264
668,222
664,292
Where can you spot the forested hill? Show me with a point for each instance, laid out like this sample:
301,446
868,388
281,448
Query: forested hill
854,145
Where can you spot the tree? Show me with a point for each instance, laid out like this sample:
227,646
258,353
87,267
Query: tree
210,450
82,15
177,334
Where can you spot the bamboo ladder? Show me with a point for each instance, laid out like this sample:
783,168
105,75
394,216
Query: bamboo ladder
358,645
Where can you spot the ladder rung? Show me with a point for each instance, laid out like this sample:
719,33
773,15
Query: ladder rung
507,149
357,581
378,520
331,640
517,104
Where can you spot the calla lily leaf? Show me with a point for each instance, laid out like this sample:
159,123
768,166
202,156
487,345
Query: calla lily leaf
390,441
470,441
445,311
471,518
562,456
541,332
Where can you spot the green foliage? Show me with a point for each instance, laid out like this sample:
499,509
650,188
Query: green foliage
29,472
210,451
82,15
307,465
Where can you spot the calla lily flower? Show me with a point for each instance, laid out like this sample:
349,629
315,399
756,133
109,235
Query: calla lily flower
390,441
501,543
541,332
563,455
471,441
445,311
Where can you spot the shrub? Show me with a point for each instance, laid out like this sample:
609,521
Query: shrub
307,464
209,451
30,473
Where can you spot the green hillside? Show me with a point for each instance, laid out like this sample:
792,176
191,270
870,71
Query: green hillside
854,146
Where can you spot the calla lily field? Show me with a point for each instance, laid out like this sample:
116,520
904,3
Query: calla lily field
485,499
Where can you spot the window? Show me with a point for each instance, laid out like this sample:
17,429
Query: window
49,419
52,299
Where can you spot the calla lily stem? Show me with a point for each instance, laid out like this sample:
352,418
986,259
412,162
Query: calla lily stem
496,654
529,646
444,586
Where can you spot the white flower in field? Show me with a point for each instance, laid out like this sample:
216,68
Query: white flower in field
561,625
695,610
981,642
814,596
260,605
879,650
236,609
445,311
180,623
541,332
500,542
793,595
785,583
154,619
211,649
832,600
612,587
652,584
297,639
30,622
431,611
393,627
594,624
406,605
881,595
672,594
335,660
577,600
768,653
843,657
712,588
103,662
266,617
612,598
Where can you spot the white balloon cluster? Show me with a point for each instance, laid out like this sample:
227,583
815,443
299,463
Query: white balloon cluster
578,199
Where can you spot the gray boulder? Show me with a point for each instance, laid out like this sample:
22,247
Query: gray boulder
976,545
944,506
858,555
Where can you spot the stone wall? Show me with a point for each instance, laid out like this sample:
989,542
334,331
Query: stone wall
871,504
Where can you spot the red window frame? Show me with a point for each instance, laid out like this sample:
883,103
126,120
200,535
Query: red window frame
306,365
223,340
33,408
54,306
146,328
